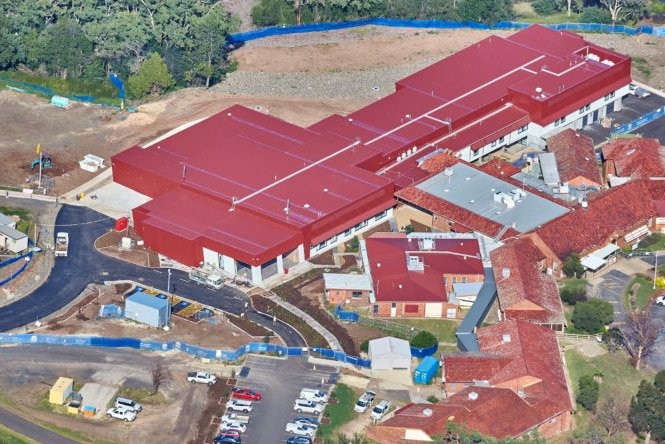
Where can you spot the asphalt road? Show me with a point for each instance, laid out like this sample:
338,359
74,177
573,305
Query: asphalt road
611,290
84,264
31,430
657,359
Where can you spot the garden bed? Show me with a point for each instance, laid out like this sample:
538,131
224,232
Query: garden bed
250,327
312,337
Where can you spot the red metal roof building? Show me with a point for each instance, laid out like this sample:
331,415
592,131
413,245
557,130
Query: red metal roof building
415,275
278,193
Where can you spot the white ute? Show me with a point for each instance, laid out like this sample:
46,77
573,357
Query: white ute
237,426
233,417
239,405
364,402
202,378
314,395
120,413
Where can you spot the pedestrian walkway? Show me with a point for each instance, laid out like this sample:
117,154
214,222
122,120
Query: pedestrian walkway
332,340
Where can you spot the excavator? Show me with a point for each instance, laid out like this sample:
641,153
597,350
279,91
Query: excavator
45,159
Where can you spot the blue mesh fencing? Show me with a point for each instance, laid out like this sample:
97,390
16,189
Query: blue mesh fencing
21,269
436,24
639,122
221,355
346,316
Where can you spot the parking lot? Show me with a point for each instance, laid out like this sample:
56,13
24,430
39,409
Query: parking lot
279,381
632,108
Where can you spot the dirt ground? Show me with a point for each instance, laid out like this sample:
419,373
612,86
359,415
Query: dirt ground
70,134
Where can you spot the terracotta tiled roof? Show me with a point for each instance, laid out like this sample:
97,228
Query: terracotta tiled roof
439,162
526,293
534,353
610,213
575,156
469,367
499,168
429,202
394,281
496,412
634,157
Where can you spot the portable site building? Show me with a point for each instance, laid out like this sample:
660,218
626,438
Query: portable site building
61,390
426,370
147,309
389,353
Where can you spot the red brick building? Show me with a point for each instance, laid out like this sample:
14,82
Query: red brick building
524,291
353,289
514,385
575,158
415,275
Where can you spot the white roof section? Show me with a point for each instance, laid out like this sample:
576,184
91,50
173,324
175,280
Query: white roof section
389,347
11,233
605,251
549,168
5,220
592,262
340,281
492,198
467,288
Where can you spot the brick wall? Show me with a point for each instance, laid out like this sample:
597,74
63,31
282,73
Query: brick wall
450,279
336,296
405,215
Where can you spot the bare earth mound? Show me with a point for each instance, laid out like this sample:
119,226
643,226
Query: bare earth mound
300,78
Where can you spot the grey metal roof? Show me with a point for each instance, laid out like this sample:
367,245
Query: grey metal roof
549,169
389,346
340,281
147,300
11,233
5,220
476,191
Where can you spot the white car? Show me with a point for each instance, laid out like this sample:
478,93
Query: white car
660,300
300,429
234,425
305,406
364,402
121,413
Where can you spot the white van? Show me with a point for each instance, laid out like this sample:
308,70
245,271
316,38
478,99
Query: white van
380,410
314,395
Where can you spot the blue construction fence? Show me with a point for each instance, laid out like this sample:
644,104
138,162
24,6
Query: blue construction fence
201,352
422,352
346,316
26,257
437,24
639,122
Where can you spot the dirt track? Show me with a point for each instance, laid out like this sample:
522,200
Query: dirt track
370,51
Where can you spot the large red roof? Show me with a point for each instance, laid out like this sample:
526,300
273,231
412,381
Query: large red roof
575,156
634,157
393,280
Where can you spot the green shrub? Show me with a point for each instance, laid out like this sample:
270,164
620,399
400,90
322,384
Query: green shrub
364,346
545,7
592,315
573,295
424,339
595,15
588,393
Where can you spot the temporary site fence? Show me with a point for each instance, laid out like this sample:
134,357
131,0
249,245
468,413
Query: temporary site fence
639,122
201,352
242,37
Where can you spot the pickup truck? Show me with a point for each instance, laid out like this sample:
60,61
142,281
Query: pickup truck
233,417
239,405
201,378
61,244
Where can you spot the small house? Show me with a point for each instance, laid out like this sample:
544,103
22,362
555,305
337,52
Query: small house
354,289
61,390
147,309
10,238
390,353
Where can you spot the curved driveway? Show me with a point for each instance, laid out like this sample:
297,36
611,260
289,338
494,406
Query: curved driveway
84,264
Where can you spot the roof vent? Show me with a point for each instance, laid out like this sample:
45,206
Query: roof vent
306,205
427,412
473,396
539,89
520,392
506,337
505,273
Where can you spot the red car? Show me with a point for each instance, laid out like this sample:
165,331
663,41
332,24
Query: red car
250,395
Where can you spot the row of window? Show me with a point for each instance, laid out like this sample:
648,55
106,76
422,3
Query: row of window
609,96
558,122
585,108
350,231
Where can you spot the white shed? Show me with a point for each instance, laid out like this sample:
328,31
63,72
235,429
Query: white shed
390,353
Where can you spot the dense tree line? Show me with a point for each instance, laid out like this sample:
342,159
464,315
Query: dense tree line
289,12
90,38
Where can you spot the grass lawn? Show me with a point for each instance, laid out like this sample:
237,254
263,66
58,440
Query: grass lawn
573,283
8,436
643,293
339,413
443,329
619,378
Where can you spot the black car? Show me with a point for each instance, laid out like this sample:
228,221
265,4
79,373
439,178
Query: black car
299,440
227,439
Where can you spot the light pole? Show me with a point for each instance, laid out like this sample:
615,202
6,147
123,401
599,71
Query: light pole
655,271
168,282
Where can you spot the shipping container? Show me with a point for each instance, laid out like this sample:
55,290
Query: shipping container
426,370
61,390
147,309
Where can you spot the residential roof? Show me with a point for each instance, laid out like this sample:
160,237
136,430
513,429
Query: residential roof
634,157
575,156
471,196
660,207
524,291
339,281
610,213
388,346
396,278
